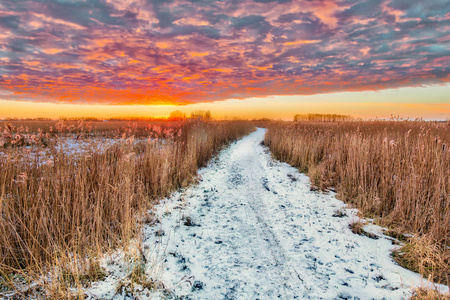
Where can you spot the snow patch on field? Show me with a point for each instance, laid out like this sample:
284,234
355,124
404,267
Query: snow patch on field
68,146
253,229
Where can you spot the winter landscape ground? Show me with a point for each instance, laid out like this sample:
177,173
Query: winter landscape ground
253,229
121,212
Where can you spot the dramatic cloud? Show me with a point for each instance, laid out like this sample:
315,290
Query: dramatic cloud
188,51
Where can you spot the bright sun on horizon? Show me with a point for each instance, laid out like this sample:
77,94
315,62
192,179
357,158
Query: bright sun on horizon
245,59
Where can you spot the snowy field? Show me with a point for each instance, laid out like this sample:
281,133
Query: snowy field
253,229
69,146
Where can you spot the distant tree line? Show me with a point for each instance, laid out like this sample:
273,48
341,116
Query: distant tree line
174,116
322,117
196,114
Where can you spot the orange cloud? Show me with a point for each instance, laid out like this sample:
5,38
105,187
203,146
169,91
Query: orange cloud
129,52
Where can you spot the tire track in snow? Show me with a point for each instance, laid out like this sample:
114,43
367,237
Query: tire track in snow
252,193
274,246
256,231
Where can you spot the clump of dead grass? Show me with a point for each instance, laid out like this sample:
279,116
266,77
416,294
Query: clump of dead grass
428,294
424,256
358,228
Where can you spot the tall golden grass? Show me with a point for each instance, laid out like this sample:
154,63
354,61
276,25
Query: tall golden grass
65,209
395,171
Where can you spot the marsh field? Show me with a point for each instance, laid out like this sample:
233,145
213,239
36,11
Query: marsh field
118,209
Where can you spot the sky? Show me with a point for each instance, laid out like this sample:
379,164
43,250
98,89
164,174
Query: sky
243,58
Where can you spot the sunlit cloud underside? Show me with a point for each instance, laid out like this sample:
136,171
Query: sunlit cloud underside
186,52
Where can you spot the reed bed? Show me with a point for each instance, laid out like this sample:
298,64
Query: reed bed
89,129
62,209
397,172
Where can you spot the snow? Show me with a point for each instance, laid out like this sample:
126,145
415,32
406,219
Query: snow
252,229
69,145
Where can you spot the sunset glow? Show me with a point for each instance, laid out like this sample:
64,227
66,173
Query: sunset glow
170,53
403,102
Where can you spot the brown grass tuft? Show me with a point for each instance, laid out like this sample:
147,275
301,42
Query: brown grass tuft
422,255
429,294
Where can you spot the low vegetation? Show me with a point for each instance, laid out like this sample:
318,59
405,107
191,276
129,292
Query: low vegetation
394,171
59,210
428,294
358,228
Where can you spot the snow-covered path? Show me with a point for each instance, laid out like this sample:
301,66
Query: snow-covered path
252,229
